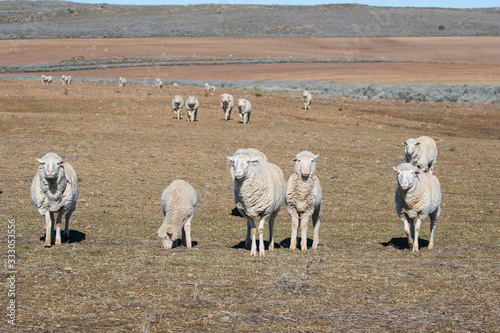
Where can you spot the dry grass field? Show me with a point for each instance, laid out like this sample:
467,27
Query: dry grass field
112,276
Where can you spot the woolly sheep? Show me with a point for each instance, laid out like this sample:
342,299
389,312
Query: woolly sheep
46,80
303,199
307,98
192,106
418,195
227,104
159,84
207,87
421,152
66,79
179,203
54,189
244,110
213,88
121,82
259,191
177,104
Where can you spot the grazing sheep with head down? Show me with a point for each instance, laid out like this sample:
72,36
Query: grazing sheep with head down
177,104
122,82
307,98
66,79
303,199
418,195
259,191
179,203
159,84
421,152
192,106
244,110
227,104
46,80
54,189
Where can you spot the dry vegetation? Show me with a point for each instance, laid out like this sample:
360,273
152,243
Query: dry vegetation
111,275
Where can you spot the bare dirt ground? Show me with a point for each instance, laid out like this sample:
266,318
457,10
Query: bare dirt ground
424,60
111,275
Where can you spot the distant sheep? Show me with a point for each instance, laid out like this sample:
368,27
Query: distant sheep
46,80
421,152
227,104
307,98
54,189
259,191
159,84
210,88
177,104
418,195
192,106
244,110
303,199
121,82
179,203
66,79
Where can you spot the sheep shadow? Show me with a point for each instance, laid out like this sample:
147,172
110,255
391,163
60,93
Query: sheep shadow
401,243
178,245
287,241
75,236
236,212
241,245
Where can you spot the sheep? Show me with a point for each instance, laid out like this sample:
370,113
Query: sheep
207,87
418,195
179,203
213,88
244,110
192,106
307,98
54,189
303,198
121,82
177,104
259,191
421,152
46,80
227,104
175,84
66,79
159,84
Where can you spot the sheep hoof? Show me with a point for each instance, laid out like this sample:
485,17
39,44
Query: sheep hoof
292,248
262,253
430,246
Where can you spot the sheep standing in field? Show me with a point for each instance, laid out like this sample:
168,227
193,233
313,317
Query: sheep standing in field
179,203
418,195
66,79
227,104
159,84
208,87
244,110
177,104
192,106
46,80
213,88
421,152
307,98
259,191
121,82
303,199
54,189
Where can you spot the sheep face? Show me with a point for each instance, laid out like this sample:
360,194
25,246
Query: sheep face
166,235
406,175
240,164
305,164
410,146
51,165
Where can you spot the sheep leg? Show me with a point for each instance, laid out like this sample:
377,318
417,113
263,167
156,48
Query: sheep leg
58,228
271,229
186,232
247,239
417,231
251,231
295,226
241,117
66,226
49,221
408,230
262,251
434,216
316,223
304,220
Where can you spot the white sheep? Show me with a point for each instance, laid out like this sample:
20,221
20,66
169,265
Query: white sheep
177,104
213,88
244,110
46,80
121,82
54,189
207,87
421,152
179,203
227,104
259,191
303,199
192,106
418,195
307,98
159,84
66,79
175,84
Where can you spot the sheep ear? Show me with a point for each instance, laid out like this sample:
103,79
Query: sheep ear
404,143
316,156
395,169
417,172
40,161
61,163
230,158
294,160
417,143
256,158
